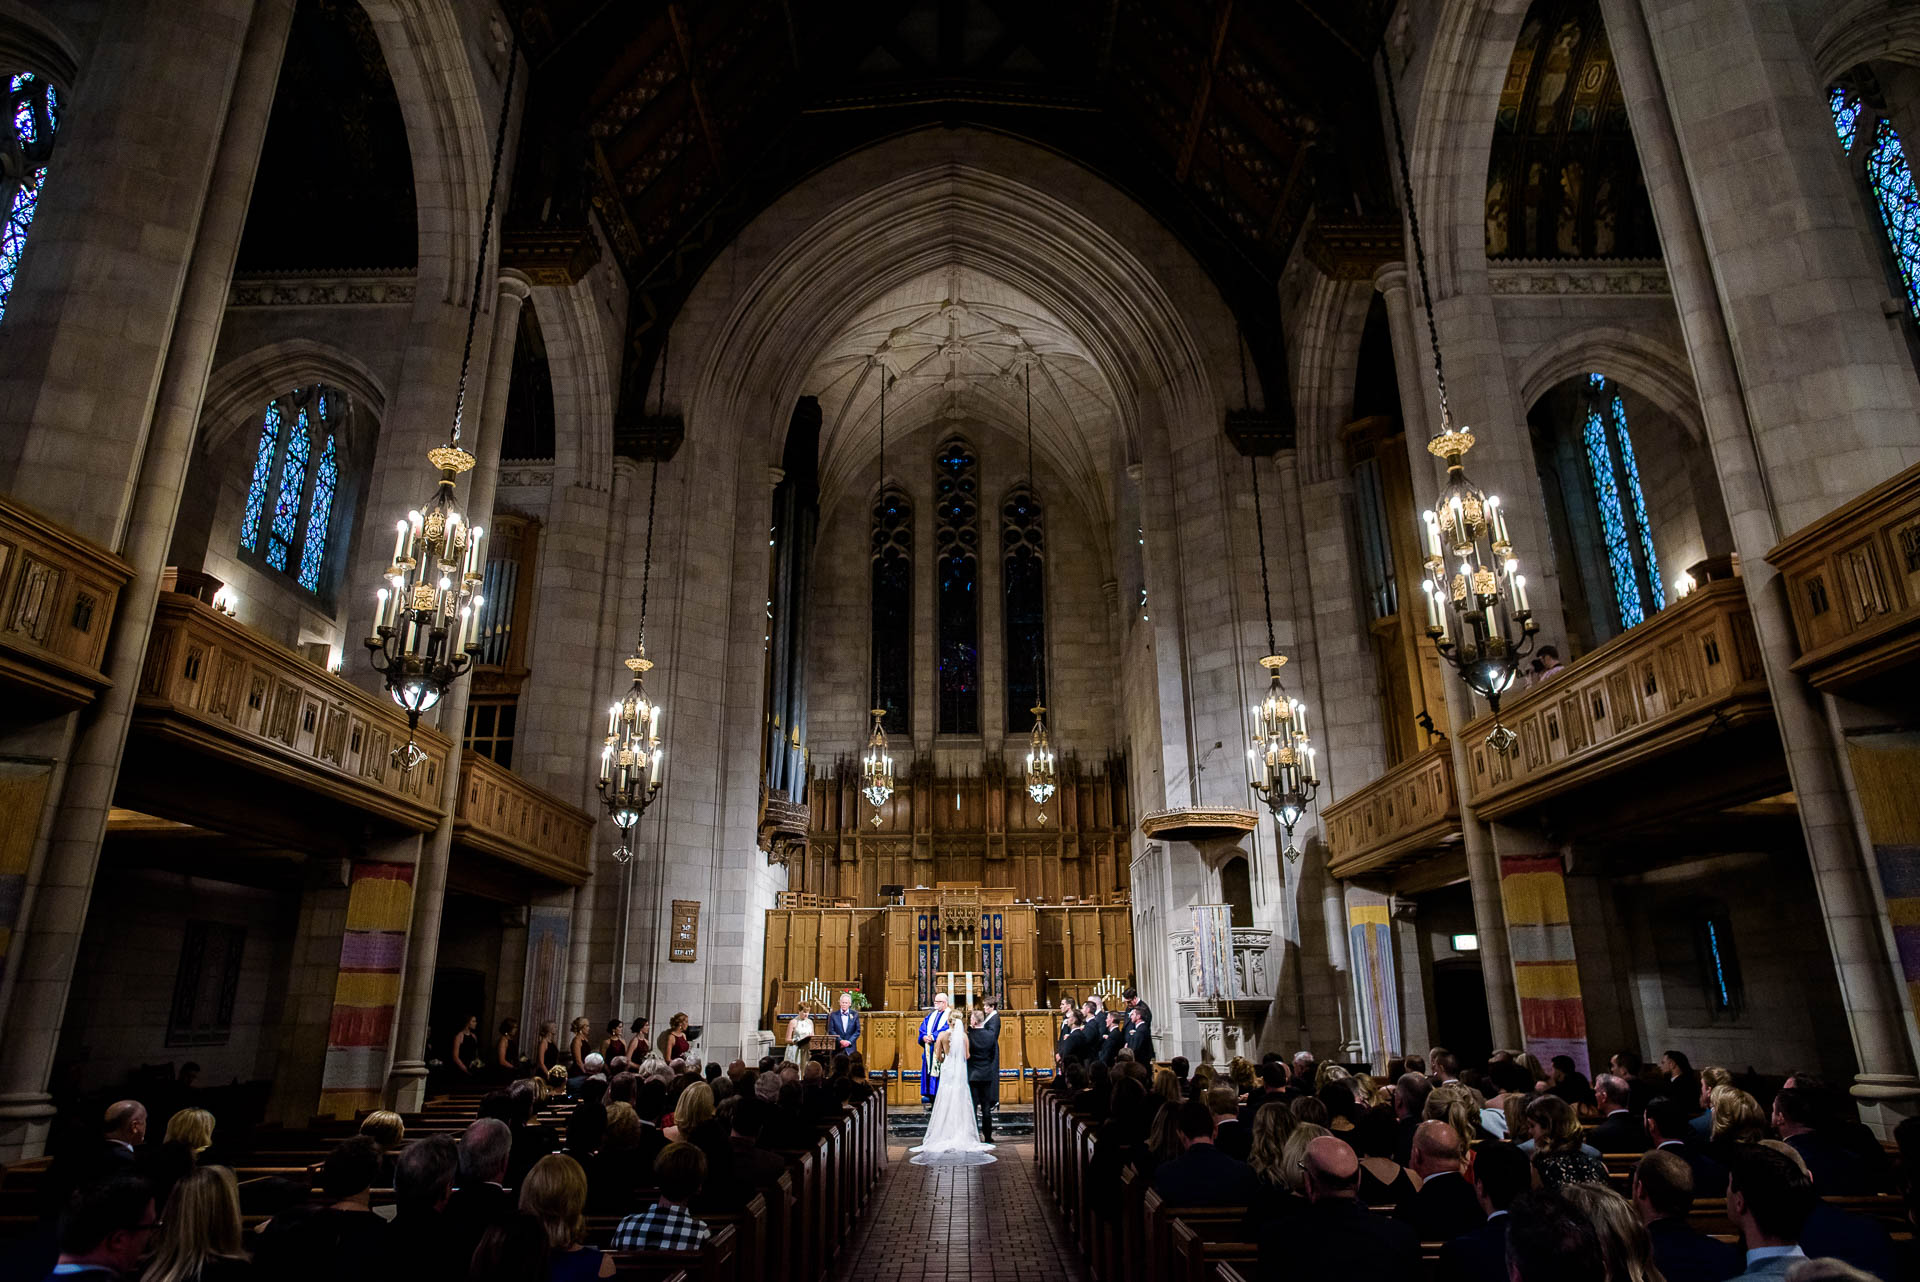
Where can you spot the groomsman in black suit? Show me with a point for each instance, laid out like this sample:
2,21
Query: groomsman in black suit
1132,999
1139,1040
843,1026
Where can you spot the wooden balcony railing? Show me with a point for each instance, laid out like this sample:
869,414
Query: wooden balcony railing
215,691
503,815
1690,672
1410,811
1853,585
57,597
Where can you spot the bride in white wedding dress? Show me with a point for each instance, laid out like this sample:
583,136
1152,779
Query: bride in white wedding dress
953,1132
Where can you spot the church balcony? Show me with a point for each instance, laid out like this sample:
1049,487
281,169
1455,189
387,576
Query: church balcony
1409,814
1853,586
235,733
58,592
502,815
1250,979
1670,719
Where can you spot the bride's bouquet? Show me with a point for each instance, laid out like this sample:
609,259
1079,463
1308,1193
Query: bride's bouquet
941,1045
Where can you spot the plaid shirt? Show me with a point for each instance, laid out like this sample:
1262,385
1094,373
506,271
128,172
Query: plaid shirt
661,1228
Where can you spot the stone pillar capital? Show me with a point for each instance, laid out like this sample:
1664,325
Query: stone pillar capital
514,284
1391,279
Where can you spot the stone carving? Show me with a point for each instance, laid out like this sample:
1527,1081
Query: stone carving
1539,276
374,289
525,476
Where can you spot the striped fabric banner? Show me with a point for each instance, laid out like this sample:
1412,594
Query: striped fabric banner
373,948
1375,984
1553,1018
1886,771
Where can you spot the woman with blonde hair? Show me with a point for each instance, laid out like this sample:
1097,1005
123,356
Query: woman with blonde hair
545,1054
693,1109
389,1131
578,1048
1454,1106
1166,1088
1626,1248
1273,1126
673,1042
1711,1076
800,1035
189,1134
192,1127
555,1193
1737,1119
200,1231
1293,1155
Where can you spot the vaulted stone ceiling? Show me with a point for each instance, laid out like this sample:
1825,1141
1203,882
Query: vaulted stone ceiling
1237,122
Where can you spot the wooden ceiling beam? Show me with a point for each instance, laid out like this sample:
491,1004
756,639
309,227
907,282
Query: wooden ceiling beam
1223,18
696,84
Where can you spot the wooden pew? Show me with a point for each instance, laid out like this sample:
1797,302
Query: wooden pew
1196,1254
1157,1260
713,1262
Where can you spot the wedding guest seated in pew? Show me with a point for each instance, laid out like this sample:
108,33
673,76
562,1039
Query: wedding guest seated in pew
555,1193
753,1166
1768,1199
514,1250
1832,1232
1557,1151
337,1235
1626,1252
1230,1134
421,1239
668,1225
1663,1194
1445,1207
1335,1236
1837,1170
1202,1175
389,1131
480,1201
107,1227
588,1122
531,1141
1667,1128
1383,1180
1550,1239
623,1161
199,1239
1619,1130
189,1136
1501,1173
1737,1119
1273,1195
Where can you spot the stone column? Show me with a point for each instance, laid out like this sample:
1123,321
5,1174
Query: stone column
146,235
312,974
1418,409
409,1046
1416,978
1787,448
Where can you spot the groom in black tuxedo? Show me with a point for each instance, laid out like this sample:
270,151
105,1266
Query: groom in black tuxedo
983,1068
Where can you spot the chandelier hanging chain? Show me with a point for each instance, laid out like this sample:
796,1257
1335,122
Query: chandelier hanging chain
876,767
653,490
1260,536
486,229
873,649
1033,489
1419,245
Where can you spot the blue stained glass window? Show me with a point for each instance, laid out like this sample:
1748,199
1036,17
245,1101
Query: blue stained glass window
293,484
1846,114
262,473
35,108
1899,204
1023,581
1632,468
956,509
1613,521
313,550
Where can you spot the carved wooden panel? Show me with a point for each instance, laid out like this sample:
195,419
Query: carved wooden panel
58,593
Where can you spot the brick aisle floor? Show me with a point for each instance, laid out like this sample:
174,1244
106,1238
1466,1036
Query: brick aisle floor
920,1213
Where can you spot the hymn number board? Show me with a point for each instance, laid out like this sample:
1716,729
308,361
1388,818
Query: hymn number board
683,939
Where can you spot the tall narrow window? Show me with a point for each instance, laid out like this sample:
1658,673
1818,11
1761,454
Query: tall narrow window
289,515
1879,161
956,513
23,172
1623,520
892,621
1025,583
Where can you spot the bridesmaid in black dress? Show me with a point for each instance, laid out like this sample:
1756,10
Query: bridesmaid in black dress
506,1052
465,1051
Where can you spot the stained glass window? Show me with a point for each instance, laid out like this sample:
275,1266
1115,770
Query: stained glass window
1846,114
289,513
1616,492
1860,116
1025,585
956,516
35,107
892,618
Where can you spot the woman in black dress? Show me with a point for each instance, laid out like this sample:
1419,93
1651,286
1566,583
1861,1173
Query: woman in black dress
464,1053
506,1052
1383,1181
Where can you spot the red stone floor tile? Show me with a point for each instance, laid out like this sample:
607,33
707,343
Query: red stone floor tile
961,1223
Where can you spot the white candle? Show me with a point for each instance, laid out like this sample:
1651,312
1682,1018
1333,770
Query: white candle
1433,532
466,622
606,763
659,772
1520,593
379,608
473,549
613,720
399,540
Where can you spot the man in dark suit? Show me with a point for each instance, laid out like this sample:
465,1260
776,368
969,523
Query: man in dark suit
1230,1135
480,1202
1273,1090
1337,1237
1836,1170
107,1229
1202,1175
1662,1196
422,1183
1446,1206
983,1068
1842,1235
1667,1128
1139,1038
843,1026
1501,1172
1618,1131
1409,1103
1135,1005
1549,1239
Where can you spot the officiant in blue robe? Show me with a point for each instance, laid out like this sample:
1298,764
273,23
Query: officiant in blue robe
935,1023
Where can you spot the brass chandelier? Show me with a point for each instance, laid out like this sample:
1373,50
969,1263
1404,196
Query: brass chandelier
876,767
633,761
1280,755
1478,616
1040,778
426,620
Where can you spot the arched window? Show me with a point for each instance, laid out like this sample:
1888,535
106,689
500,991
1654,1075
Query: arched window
1623,508
296,477
956,488
892,636
1025,586
36,115
1879,163
1236,887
